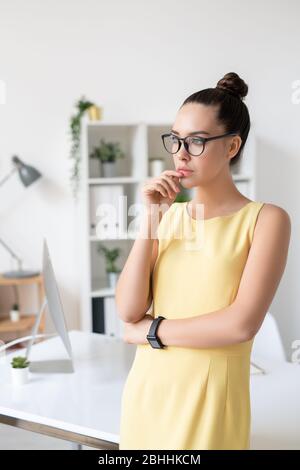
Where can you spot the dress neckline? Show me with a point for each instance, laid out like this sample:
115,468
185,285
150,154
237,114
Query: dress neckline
218,217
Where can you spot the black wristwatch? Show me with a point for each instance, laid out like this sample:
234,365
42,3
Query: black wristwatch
152,335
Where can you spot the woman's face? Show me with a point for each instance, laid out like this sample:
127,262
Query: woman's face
217,153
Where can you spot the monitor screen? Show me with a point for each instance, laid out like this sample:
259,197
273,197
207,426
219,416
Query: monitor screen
54,303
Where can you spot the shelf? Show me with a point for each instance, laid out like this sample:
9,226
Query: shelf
133,180
105,292
140,142
25,323
6,281
115,180
129,236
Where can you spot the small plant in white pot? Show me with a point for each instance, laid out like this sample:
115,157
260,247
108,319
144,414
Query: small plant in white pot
19,370
14,313
107,154
110,258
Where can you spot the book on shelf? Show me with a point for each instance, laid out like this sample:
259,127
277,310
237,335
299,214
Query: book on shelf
107,214
98,325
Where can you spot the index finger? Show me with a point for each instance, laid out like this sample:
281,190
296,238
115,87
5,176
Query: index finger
173,173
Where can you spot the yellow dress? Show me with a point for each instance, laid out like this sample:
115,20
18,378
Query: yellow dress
193,398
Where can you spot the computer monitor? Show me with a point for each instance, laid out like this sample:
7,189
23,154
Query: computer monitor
55,308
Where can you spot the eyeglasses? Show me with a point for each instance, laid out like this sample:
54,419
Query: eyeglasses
195,146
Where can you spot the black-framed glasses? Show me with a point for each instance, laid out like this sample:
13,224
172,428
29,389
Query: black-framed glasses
194,145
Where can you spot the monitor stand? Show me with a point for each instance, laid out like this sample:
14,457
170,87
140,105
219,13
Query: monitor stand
51,365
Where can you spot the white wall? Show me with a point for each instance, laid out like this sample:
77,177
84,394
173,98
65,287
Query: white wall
140,60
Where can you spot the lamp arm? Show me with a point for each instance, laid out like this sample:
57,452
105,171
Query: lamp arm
13,254
12,171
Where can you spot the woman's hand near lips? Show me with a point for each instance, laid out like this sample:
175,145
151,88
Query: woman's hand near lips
162,189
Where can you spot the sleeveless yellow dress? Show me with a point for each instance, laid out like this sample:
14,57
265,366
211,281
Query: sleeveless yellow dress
193,398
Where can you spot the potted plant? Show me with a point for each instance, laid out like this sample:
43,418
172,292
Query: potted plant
82,106
110,258
107,154
14,313
19,370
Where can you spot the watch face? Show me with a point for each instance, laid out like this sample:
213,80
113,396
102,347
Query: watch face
154,343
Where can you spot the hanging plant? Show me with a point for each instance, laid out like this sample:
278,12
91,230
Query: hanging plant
75,129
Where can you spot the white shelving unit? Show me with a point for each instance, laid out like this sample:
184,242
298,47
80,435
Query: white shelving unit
139,141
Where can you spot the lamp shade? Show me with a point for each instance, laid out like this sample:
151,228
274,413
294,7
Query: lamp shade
28,174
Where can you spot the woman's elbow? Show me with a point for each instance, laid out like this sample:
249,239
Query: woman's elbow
132,312
123,313
246,333
127,317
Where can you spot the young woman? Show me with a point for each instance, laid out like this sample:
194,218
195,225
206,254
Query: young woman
189,387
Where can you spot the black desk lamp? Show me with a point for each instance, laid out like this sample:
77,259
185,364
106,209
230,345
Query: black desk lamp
28,175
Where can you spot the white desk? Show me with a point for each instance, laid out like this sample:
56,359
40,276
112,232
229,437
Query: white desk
84,407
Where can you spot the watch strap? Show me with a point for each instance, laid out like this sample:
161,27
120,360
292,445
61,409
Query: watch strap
152,336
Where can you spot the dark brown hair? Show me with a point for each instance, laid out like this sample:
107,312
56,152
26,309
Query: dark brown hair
232,112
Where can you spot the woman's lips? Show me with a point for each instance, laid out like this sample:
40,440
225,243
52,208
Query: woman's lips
186,172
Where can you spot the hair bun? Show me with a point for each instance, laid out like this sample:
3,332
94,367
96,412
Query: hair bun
233,84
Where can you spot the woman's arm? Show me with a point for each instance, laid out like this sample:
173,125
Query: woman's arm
241,320
133,290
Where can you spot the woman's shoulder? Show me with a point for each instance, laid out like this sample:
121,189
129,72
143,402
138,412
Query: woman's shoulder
273,218
272,211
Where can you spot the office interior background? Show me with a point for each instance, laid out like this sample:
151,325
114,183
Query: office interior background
138,61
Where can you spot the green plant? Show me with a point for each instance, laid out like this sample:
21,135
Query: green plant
19,362
15,307
107,151
82,105
110,257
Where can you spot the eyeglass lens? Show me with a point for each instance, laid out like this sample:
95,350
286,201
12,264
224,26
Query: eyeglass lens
195,145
